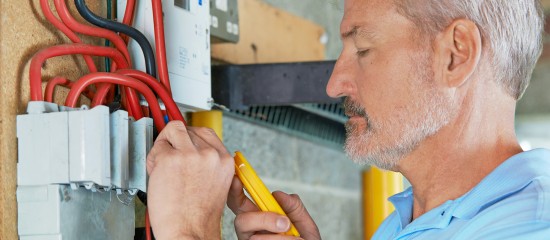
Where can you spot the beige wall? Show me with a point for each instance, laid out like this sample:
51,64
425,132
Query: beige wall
23,32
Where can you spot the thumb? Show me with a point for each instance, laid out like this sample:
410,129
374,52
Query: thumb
298,214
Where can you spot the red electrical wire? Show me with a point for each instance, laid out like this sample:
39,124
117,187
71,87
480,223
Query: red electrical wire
115,78
147,225
51,86
65,49
128,16
78,48
157,87
63,28
78,27
160,46
61,81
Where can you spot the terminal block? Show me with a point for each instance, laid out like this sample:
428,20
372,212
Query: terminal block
119,122
89,148
43,145
141,141
78,171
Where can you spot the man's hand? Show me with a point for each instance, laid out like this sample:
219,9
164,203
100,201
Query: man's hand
190,172
251,223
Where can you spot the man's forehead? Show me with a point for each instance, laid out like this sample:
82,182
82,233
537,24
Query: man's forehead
359,14
359,5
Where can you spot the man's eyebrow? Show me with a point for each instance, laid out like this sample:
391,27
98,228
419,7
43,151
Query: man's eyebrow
349,33
357,31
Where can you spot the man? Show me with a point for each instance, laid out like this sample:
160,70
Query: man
430,88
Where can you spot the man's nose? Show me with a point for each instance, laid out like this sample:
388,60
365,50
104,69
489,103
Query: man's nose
339,82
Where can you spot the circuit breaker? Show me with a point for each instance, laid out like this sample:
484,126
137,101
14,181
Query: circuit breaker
78,171
187,31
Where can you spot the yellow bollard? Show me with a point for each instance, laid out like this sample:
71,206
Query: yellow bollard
378,186
210,119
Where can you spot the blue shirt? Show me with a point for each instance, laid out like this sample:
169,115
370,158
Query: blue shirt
512,202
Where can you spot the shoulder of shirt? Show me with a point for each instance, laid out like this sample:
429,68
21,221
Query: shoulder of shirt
537,192
542,185
532,203
525,211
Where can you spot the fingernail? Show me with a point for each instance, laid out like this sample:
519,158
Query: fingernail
283,224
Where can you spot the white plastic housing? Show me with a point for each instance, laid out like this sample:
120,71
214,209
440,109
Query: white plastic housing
119,149
141,141
187,32
42,137
89,147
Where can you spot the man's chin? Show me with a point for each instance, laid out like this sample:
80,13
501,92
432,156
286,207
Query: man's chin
370,161
356,149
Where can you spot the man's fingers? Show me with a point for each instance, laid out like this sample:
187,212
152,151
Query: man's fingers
160,147
298,214
198,142
246,224
237,201
291,204
209,136
176,134
274,237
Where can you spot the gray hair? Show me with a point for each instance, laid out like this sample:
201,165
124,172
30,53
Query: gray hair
511,32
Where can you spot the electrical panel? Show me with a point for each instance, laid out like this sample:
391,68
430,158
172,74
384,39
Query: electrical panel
224,21
57,212
78,171
187,31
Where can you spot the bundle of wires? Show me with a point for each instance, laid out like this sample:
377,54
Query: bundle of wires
102,87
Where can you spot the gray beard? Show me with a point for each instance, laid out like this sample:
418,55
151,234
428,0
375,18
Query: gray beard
403,132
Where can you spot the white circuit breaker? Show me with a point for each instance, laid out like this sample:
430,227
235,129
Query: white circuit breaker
89,148
78,170
187,31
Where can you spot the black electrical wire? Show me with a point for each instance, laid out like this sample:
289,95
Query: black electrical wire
89,16
142,197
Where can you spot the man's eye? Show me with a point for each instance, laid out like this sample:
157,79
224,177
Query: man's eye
362,53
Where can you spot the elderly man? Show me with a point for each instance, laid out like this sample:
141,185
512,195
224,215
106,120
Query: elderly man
430,87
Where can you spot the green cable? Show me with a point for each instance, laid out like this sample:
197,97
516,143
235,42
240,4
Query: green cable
107,43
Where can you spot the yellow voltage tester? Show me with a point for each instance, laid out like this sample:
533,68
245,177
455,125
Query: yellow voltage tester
259,192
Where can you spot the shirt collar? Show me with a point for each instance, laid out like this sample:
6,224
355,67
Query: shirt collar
403,203
509,177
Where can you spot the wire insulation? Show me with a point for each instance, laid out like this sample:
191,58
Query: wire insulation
39,58
87,14
128,18
65,30
61,81
76,26
171,106
107,61
115,78
160,45
147,225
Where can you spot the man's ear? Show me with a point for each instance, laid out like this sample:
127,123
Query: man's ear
457,51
